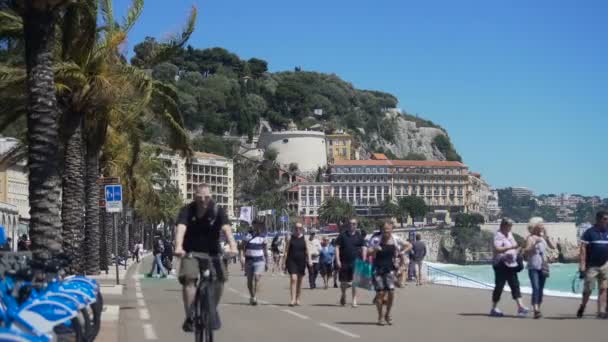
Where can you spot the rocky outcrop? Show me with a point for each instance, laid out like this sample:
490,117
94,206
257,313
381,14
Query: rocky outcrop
409,138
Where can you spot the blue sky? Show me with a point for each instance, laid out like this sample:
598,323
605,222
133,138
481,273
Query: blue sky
521,86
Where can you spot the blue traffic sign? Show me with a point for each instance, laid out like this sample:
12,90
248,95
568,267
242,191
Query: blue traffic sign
284,218
113,193
113,198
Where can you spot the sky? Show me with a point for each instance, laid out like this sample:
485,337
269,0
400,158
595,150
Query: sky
521,86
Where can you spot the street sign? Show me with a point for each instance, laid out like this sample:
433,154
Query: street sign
284,218
113,196
108,180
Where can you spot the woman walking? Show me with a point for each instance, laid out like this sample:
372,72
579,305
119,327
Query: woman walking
538,266
296,260
506,266
327,259
385,254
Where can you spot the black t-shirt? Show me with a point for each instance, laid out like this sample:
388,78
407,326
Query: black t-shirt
203,231
350,246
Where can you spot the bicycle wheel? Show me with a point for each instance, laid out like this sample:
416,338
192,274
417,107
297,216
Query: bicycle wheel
203,330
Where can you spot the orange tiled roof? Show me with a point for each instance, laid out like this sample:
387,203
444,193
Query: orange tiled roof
401,163
380,156
476,174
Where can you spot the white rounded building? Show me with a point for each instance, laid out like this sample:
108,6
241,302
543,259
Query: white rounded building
305,148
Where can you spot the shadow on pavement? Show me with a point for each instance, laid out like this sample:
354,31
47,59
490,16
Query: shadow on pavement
357,323
486,315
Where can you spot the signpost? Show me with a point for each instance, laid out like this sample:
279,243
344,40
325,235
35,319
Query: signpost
113,197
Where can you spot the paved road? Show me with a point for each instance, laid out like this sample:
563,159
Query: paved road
151,309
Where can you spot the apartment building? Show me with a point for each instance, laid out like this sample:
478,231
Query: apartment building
217,171
339,147
446,187
14,182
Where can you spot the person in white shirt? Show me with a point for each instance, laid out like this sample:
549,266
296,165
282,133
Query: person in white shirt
314,247
507,263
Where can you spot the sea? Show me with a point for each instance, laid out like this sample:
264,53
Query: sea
562,282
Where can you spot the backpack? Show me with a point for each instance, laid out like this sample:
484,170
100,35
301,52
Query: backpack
159,247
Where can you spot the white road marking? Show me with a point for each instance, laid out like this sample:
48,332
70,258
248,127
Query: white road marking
338,330
144,314
141,302
149,332
293,313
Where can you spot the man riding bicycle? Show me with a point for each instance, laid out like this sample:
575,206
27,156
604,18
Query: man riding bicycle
199,228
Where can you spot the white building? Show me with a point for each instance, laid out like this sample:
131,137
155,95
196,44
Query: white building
9,219
214,170
522,192
305,148
14,182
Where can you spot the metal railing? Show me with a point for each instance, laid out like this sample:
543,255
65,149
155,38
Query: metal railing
442,277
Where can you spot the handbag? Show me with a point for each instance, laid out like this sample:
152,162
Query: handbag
520,263
362,277
545,269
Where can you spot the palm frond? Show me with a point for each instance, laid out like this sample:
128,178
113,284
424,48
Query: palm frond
69,73
11,25
78,29
133,14
107,13
177,41
11,76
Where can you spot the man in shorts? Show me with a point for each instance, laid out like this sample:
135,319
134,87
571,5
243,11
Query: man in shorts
350,246
199,227
255,258
594,263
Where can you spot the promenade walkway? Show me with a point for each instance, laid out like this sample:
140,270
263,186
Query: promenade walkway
151,309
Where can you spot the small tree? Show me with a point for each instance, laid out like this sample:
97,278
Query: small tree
335,210
413,206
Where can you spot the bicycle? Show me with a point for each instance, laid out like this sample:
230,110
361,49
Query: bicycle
204,306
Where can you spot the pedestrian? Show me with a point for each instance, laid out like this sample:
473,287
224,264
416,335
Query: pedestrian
135,255
385,252
23,245
296,259
403,249
200,227
594,263
537,244
419,249
314,248
255,258
507,263
157,263
167,256
276,247
335,272
327,256
350,246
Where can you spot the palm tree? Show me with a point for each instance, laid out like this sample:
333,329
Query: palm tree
39,19
335,210
99,87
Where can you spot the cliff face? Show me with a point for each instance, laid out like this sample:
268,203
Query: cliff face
410,139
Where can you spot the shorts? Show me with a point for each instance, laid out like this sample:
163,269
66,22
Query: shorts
255,268
599,274
384,281
326,269
189,270
346,272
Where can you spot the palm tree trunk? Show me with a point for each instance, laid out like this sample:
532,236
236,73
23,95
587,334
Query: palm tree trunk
73,195
91,234
108,236
42,133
